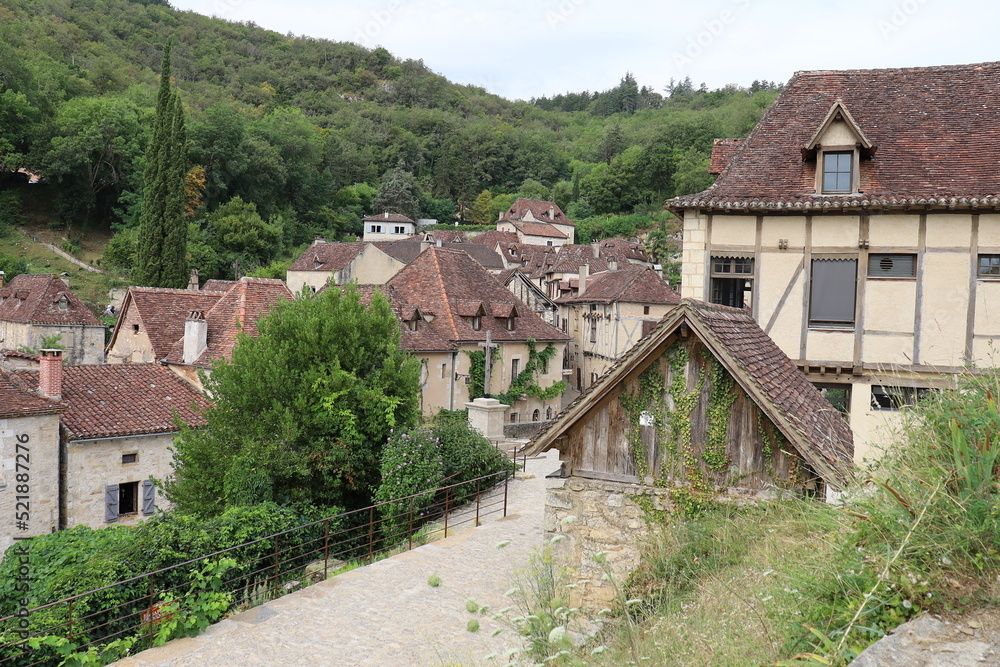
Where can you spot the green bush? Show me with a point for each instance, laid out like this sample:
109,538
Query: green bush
467,454
11,211
12,266
412,463
119,253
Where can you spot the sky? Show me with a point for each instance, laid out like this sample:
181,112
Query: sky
531,48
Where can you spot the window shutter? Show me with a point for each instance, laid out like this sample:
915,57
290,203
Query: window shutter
831,297
111,503
892,266
148,497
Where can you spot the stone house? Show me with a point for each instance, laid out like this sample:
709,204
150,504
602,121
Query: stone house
41,305
29,450
528,292
151,320
340,263
610,313
105,433
860,222
387,227
448,307
538,222
212,334
706,404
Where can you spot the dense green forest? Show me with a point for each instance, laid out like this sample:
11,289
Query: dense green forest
290,136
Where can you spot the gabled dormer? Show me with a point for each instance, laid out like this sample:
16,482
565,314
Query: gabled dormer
838,146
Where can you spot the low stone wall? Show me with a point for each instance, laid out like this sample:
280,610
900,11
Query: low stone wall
522,430
598,516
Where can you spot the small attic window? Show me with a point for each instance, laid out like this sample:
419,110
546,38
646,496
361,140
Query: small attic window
63,303
510,323
477,322
838,171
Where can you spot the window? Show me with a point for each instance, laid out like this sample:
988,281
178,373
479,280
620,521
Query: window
837,170
515,368
548,243
892,266
548,413
536,415
894,398
989,266
63,303
398,229
128,498
135,329
376,229
731,278
839,396
477,322
513,418
832,292
130,458
645,310
593,330
545,366
510,323
412,324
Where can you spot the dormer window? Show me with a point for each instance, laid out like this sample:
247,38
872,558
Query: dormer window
838,169
412,324
477,322
510,323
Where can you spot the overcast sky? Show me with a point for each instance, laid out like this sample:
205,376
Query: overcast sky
529,48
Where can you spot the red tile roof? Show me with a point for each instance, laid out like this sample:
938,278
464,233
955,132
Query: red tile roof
328,256
493,237
162,312
446,283
236,312
935,130
216,285
723,151
631,284
34,299
406,251
542,229
539,211
105,401
16,401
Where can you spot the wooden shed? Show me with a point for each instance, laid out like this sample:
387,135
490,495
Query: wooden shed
706,399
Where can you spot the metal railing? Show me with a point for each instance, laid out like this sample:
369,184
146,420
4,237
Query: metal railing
267,568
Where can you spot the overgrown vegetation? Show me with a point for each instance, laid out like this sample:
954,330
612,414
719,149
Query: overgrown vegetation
797,582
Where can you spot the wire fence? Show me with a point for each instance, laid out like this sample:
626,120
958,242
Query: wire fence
266,569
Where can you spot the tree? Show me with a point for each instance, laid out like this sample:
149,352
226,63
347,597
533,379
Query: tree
398,193
481,208
325,382
161,259
238,233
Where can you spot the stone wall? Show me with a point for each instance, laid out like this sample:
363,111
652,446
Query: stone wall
598,516
37,477
522,430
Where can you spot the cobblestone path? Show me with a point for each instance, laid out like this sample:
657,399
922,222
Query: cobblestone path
386,614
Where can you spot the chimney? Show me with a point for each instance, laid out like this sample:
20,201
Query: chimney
584,274
2,274
595,248
193,281
50,373
319,239
552,212
499,216
439,244
612,264
195,336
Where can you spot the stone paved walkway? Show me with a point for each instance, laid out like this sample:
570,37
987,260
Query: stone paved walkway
386,614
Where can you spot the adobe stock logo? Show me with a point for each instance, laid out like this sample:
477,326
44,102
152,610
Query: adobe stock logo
712,30
563,12
380,20
900,16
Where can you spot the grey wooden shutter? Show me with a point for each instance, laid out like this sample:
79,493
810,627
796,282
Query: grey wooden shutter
111,503
831,297
148,497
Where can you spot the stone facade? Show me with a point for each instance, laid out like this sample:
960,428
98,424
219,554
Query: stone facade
94,465
597,516
38,437
83,343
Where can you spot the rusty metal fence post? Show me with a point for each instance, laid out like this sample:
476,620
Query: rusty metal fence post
326,547
506,483
477,502
447,498
371,532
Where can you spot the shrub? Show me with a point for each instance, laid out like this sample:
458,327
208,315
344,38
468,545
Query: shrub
412,463
11,212
467,454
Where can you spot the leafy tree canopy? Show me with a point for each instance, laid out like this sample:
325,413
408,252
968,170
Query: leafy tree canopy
325,381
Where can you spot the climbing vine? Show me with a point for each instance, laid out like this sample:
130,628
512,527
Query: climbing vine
524,383
720,406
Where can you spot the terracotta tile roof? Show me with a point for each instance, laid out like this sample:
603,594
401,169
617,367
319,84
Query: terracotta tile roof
236,312
493,237
162,312
631,284
813,426
406,251
539,211
445,283
445,235
16,401
216,285
723,151
327,256
935,131
425,338
387,217
34,299
107,401
539,229
622,249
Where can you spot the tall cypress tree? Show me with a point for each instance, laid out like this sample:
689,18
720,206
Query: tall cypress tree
162,248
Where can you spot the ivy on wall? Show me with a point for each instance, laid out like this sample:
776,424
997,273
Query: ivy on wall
524,383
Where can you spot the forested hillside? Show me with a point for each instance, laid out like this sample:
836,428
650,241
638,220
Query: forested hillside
289,136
